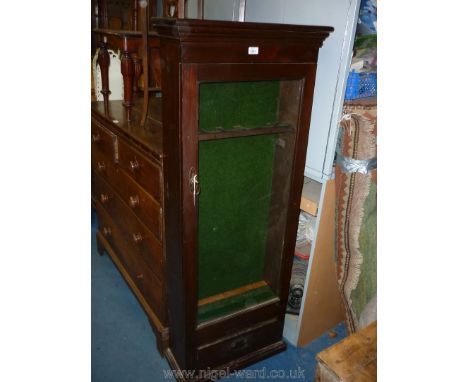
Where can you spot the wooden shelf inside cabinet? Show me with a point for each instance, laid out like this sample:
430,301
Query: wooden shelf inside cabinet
310,196
245,132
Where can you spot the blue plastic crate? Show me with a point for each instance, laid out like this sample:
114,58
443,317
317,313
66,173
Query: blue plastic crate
361,85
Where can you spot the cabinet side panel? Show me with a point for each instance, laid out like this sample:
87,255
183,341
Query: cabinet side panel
172,199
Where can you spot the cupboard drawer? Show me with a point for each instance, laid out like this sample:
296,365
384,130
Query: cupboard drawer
139,201
229,326
114,236
250,340
148,284
102,165
141,169
136,198
151,287
104,141
142,241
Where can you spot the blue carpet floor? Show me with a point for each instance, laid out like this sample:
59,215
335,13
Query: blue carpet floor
124,347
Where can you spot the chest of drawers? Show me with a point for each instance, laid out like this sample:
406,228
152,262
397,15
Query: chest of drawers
198,208
127,193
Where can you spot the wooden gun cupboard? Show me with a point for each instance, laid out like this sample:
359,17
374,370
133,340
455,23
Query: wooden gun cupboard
199,207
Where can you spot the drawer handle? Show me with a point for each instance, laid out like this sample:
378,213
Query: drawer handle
137,238
101,166
104,198
239,344
134,165
96,138
134,201
106,231
140,276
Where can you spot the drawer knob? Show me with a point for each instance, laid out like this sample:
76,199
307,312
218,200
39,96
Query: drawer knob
134,165
106,231
101,166
137,238
104,198
140,276
239,344
96,138
134,201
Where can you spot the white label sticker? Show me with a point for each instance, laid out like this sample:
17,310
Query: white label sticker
253,50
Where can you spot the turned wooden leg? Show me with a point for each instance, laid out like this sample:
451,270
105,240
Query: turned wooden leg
127,69
104,62
137,68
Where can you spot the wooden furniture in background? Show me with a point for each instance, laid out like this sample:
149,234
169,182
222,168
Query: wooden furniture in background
115,14
353,359
151,183
129,43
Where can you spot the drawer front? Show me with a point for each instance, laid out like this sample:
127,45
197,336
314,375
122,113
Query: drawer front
102,165
93,191
143,242
149,285
114,236
139,201
249,341
104,141
141,169
230,325
136,198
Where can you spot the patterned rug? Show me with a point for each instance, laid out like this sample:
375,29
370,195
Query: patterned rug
356,215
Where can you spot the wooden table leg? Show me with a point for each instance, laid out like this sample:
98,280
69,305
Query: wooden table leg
104,62
128,71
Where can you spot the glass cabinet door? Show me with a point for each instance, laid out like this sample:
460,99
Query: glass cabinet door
246,141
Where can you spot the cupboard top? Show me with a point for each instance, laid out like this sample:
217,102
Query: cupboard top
183,28
228,41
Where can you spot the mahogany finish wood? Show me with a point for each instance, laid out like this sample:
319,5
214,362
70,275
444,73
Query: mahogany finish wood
104,62
128,71
130,43
137,66
148,140
147,216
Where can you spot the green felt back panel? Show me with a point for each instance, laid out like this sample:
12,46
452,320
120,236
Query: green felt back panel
235,180
235,104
